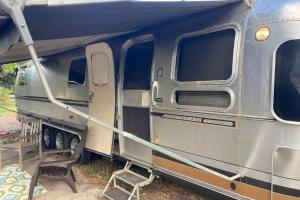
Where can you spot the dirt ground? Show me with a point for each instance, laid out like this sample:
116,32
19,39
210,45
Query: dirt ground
92,178
8,122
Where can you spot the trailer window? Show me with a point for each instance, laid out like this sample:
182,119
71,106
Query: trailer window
138,65
77,71
206,57
22,77
287,81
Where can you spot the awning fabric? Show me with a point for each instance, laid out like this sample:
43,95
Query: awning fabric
57,27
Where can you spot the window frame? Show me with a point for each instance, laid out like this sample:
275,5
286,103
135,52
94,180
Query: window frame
214,29
68,72
123,55
273,71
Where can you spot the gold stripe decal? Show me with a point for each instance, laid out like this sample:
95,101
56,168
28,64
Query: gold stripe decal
242,189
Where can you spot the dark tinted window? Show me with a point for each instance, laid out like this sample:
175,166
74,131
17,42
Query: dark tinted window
138,65
77,71
136,121
287,81
23,76
206,57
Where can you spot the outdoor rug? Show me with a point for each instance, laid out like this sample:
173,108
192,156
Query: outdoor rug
15,183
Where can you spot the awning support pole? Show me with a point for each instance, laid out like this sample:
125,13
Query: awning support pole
249,3
15,11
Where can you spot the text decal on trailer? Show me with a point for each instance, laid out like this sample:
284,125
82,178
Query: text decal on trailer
201,120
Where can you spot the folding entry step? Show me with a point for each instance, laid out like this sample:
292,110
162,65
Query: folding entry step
116,191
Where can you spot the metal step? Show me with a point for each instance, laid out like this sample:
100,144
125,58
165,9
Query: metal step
115,193
130,177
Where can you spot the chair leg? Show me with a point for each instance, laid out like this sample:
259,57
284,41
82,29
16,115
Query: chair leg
33,182
69,180
1,159
21,159
73,175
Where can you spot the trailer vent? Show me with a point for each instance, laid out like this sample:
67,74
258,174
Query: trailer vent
218,99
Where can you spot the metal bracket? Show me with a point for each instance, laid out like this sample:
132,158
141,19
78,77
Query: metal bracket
249,3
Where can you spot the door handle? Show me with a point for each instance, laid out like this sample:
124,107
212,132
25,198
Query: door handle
154,93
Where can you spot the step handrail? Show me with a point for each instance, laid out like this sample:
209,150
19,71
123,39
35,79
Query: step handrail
15,10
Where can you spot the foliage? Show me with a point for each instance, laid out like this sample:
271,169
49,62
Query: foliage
5,100
8,75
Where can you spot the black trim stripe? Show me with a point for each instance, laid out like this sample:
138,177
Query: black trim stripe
45,99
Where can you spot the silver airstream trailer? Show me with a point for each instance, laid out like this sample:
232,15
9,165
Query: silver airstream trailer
204,91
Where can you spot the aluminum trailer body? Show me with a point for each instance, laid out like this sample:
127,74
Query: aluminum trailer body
218,86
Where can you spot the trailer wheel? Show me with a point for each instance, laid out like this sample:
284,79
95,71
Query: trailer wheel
85,156
60,140
46,137
74,141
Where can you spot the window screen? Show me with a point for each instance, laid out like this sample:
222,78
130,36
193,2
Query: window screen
77,71
100,64
287,81
137,74
217,99
206,57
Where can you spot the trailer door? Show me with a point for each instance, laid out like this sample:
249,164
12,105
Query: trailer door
102,96
134,107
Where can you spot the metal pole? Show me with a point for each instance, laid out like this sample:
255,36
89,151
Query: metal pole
17,16
272,172
249,3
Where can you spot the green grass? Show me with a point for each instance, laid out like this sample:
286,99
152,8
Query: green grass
6,102
104,168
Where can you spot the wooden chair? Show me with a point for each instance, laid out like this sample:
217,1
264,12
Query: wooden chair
27,140
58,170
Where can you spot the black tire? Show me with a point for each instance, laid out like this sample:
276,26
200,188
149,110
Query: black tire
47,134
61,139
74,139
85,157
67,137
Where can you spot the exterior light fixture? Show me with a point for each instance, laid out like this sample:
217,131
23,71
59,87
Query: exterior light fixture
262,34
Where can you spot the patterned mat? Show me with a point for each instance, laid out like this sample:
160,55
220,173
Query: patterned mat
15,183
